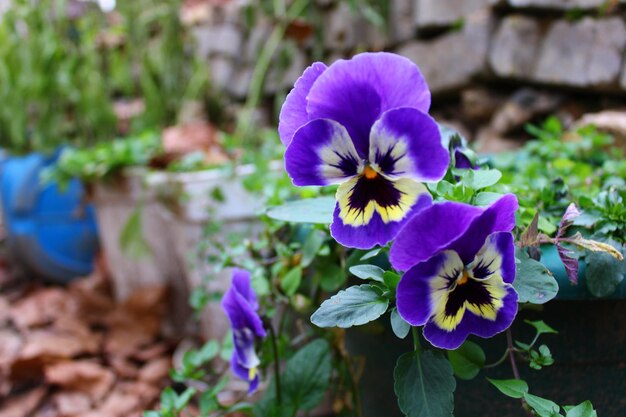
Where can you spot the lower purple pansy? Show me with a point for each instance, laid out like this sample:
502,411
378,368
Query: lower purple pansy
240,305
460,267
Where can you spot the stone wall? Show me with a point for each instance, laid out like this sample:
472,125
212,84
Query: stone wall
477,55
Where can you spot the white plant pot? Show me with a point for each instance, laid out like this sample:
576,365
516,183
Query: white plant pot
186,207
115,203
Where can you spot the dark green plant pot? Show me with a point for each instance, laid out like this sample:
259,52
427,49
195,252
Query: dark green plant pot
590,359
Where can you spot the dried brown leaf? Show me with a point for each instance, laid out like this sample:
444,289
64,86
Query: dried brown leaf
156,371
152,352
42,307
71,403
23,404
82,376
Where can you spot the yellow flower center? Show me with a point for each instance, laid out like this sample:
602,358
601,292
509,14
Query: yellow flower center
369,173
464,278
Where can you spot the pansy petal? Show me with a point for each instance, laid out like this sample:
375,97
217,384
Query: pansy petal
496,256
444,339
477,325
430,231
293,113
237,368
242,284
424,286
499,217
356,92
241,314
321,153
245,374
364,230
243,341
472,324
406,142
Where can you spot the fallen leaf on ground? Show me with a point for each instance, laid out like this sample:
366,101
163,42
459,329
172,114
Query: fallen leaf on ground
82,376
10,343
155,371
71,403
152,352
137,322
126,399
124,367
23,404
41,307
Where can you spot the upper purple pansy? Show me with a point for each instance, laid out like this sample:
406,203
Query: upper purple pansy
460,266
240,305
363,123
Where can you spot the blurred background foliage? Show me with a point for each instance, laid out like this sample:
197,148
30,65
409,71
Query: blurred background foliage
71,73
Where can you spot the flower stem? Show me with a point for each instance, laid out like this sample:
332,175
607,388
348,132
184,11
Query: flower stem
511,351
416,339
499,361
516,375
276,365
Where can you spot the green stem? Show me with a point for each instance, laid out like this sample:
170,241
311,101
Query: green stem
516,374
276,364
356,394
416,339
499,361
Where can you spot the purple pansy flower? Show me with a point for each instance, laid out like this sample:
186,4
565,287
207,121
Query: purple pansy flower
362,124
240,305
460,264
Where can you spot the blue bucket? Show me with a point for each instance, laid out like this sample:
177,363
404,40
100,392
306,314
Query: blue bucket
50,232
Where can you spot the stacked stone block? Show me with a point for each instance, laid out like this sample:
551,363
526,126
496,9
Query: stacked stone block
574,44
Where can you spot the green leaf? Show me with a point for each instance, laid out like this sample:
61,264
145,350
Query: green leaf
151,414
208,403
132,241
351,307
330,275
183,399
482,178
368,271
311,210
514,388
424,385
400,327
311,246
541,406
546,226
467,360
304,382
307,375
371,254
534,282
291,281
604,273
584,409
485,198
541,327
208,351
168,399
391,280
